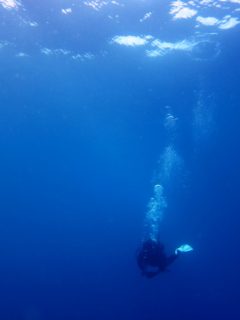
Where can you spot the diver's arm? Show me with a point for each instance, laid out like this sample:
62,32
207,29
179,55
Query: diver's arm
171,259
179,251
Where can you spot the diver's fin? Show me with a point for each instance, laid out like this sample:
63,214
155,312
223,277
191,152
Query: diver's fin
184,248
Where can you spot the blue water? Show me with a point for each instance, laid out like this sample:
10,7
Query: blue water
83,135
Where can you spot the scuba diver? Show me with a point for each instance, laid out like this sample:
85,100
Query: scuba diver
152,259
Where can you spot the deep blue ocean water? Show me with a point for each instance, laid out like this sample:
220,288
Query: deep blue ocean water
93,96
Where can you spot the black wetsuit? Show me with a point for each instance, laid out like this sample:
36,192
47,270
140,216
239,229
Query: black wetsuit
152,259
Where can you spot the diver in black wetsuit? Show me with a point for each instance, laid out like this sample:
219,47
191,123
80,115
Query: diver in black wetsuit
152,259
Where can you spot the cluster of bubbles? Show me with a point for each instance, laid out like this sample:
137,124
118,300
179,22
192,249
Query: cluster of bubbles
156,206
170,162
170,165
